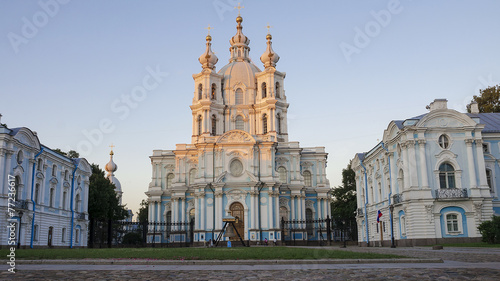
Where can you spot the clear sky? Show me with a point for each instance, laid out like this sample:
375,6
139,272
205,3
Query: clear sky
68,68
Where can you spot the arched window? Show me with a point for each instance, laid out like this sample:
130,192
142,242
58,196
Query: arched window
20,157
403,225
283,213
192,176
238,96
401,179
309,222
168,219
213,94
54,170
66,175
192,214
452,222
65,195
170,178
277,89
199,125
37,192
39,165
264,123
446,176
488,179
307,178
240,125
17,182
52,197
278,123
214,125
77,203
444,141
200,92
264,90
282,174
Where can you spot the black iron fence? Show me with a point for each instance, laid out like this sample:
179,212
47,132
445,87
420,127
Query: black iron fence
314,232
108,234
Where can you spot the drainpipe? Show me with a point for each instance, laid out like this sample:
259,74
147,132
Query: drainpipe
33,201
71,206
390,194
366,203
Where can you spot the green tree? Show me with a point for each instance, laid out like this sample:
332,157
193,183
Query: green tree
69,154
490,230
142,214
488,99
103,202
344,201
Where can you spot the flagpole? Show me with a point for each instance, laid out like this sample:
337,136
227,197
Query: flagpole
381,234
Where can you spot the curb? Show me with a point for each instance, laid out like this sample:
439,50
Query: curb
226,262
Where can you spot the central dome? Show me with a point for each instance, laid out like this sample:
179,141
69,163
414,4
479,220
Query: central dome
239,71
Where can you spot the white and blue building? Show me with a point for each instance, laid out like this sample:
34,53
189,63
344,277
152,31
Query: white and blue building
50,202
439,172
240,162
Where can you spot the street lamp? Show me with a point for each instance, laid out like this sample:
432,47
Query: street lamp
391,208
19,238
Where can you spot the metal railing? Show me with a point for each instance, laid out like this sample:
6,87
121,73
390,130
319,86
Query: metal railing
451,193
21,204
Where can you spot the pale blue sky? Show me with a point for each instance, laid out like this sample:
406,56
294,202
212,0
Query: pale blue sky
86,55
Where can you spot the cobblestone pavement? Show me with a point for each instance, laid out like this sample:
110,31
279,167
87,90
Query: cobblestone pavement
460,264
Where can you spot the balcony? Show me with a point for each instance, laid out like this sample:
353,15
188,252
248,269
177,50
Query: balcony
360,212
397,198
80,216
451,193
20,204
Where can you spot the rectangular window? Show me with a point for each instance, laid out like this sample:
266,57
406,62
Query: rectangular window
77,235
486,148
63,235
452,222
35,232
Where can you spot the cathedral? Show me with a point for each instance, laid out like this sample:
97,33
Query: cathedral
240,163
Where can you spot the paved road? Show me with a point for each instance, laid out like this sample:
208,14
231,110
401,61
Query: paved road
459,264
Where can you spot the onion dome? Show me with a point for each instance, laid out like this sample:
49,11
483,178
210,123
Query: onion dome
269,58
239,44
111,167
208,59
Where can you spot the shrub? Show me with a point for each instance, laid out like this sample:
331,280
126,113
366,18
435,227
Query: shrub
132,238
490,230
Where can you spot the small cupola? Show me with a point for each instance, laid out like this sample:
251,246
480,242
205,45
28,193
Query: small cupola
208,59
269,58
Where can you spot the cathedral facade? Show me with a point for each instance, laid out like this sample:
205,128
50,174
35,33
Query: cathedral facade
240,163
432,179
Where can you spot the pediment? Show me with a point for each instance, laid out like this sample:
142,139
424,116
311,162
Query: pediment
236,136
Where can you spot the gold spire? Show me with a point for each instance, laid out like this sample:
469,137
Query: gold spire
209,28
239,9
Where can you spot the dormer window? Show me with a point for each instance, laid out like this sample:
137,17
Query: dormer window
444,141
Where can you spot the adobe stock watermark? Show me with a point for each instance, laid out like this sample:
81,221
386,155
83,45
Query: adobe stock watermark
12,222
223,6
121,107
371,29
30,27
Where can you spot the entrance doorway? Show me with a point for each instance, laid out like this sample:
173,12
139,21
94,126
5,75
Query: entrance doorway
238,212
49,242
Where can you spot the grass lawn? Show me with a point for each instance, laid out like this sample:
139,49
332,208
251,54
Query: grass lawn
479,244
242,253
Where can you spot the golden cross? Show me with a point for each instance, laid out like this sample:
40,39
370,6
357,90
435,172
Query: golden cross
239,8
268,27
209,28
111,146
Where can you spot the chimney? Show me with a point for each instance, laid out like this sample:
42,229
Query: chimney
438,104
474,108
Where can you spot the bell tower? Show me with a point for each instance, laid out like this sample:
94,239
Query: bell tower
270,105
208,105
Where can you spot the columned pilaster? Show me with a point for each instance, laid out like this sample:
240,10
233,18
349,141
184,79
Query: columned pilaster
412,163
470,162
406,173
480,164
423,164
